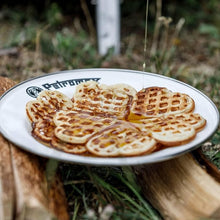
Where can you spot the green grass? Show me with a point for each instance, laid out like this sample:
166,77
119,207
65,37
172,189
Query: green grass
94,188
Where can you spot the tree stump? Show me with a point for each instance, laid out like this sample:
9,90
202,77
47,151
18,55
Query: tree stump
186,187
24,190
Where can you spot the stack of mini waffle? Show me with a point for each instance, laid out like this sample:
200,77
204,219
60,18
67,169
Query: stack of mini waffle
115,120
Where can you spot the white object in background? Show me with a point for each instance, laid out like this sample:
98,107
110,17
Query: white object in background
108,25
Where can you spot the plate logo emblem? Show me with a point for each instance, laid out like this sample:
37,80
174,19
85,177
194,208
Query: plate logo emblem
33,91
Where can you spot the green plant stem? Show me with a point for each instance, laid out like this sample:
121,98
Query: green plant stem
76,208
121,196
137,194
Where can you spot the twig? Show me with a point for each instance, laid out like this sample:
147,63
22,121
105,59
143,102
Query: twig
90,24
171,46
157,27
166,23
178,28
37,39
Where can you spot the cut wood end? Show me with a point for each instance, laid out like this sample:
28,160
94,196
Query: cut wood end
5,84
180,188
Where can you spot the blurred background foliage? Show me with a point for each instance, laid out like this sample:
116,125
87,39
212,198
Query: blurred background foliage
60,29
194,11
29,17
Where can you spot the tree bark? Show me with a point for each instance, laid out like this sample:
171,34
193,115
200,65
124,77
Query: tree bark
7,194
181,188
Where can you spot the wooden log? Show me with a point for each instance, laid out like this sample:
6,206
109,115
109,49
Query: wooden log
23,184
7,199
7,194
181,188
5,84
35,199
57,199
30,186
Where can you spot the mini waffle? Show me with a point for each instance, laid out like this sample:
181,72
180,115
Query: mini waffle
158,101
67,147
74,127
47,104
193,119
121,139
43,130
103,100
173,134
174,130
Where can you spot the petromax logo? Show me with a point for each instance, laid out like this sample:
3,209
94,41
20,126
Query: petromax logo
33,91
65,83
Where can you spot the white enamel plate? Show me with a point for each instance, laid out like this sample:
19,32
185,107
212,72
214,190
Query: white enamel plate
15,126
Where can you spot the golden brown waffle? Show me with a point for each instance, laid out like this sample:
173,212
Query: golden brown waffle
43,130
47,104
74,127
173,130
67,147
170,134
158,101
193,119
121,139
103,100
